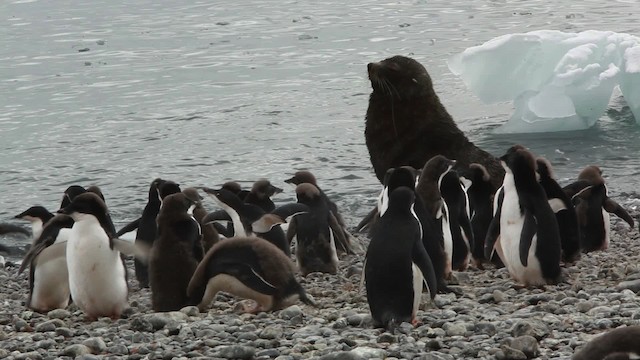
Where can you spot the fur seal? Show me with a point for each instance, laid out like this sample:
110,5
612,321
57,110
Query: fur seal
614,344
397,264
247,267
529,235
406,124
175,253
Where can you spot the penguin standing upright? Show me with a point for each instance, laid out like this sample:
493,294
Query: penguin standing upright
529,235
248,267
457,202
175,253
396,263
428,188
480,191
97,275
590,197
48,274
210,235
37,216
561,205
431,231
312,233
343,237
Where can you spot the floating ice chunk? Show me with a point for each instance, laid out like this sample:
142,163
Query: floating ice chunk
558,81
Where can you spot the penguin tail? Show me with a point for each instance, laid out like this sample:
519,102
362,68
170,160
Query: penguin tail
305,298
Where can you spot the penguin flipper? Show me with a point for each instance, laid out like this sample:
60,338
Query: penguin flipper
138,249
420,257
289,210
614,208
576,187
339,234
129,227
367,220
493,232
291,230
529,230
33,252
250,277
218,215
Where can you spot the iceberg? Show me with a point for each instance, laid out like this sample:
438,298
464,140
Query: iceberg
557,81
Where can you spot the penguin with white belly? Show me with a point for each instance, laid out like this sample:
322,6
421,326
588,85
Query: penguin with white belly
48,275
457,201
529,235
37,216
97,275
397,264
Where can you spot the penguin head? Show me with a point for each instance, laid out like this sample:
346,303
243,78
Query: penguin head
168,187
177,203
518,160
544,168
70,193
479,173
301,177
232,186
593,174
96,190
34,213
401,199
307,193
263,189
402,176
83,205
224,198
193,195
436,167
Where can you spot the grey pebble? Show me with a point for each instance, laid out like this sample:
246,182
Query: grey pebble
58,314
290,312
76,350
50,325
237,352
527,344
96,345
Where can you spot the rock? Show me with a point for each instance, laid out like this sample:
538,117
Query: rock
435,355
455,329
532,327
76,350
342,355
633,285
499,296
271,332
509,353
159,320
386,338
369,353
96,345
271,353
58,314
237,352
527,344
290,312
63,331
50,325
190,311
141,324
485,328
119,349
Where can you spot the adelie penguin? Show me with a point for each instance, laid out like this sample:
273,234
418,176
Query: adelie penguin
314,233
562,206
250,268
146,224
431,232
616,344
210,235
37,216
48,274
529,236
590,197
428,189
97,274
480,192
396,263
175,253
343,237
455,196
261,193
250,219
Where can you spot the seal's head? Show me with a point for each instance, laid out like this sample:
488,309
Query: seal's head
400,77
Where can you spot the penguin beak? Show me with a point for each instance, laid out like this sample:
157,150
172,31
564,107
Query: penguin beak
275,190
290,180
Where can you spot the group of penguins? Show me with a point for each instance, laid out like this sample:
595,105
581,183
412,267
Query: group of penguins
427,223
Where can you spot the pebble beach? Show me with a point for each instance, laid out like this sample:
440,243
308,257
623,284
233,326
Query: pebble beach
492,318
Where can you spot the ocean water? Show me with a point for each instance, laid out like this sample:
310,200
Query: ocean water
116,93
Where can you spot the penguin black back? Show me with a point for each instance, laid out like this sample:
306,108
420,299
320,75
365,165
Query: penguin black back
480,193
461,232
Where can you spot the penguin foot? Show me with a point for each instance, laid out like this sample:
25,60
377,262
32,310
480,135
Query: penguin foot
251,307
415,322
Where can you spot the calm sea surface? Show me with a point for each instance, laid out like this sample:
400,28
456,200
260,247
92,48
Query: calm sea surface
116,93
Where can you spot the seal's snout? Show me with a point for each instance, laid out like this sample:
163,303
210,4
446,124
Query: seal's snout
372,69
